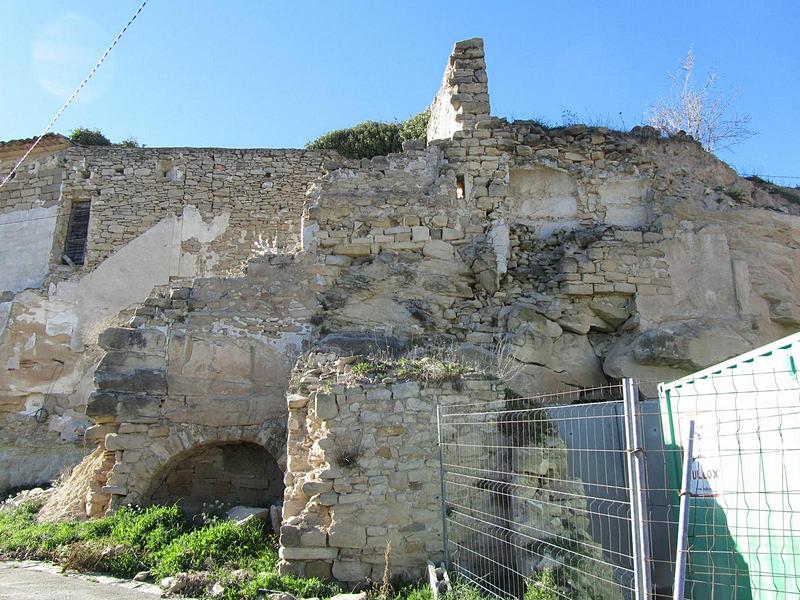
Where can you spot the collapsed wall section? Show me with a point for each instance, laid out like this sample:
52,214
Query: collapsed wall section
197,378
363,472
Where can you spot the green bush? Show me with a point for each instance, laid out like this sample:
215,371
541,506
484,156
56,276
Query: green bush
372,138
415,127
215,545
149,529
88,137
543,588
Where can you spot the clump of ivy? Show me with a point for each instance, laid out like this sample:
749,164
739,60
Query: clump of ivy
373,138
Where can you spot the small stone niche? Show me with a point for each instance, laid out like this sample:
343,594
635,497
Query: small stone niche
166,170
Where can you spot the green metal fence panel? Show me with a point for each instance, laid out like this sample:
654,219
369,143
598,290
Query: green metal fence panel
744,531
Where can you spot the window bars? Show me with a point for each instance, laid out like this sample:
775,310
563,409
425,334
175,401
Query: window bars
77,233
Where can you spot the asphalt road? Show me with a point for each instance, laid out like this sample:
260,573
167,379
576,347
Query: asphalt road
38,581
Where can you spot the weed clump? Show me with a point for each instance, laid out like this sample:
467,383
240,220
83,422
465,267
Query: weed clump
426,369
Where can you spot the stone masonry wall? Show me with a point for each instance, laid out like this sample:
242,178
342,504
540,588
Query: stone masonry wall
252,199
158,217
202,365
363,471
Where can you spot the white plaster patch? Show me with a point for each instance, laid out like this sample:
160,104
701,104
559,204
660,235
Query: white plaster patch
501,242
5,309
545,198
193,226
26,240
33,403
129,275
63,323
442,122
308,232
624,202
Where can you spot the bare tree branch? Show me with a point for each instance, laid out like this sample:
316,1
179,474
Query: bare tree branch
702,112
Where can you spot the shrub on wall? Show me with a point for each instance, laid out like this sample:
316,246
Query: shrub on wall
94,137
372,138
88,137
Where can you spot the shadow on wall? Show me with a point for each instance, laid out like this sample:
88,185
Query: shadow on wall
239,473
715,568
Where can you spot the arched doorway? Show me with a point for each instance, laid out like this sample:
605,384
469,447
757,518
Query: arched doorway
234,473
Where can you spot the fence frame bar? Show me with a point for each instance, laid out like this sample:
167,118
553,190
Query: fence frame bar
640,539
683,518
445,539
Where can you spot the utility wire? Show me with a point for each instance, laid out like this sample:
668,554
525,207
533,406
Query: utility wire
74,94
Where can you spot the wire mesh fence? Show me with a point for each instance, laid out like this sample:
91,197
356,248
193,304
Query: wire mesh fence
743,535
539,493
537,496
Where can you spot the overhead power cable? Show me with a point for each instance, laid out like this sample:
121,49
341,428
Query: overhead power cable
75,93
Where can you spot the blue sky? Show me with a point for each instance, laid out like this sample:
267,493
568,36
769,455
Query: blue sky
278,74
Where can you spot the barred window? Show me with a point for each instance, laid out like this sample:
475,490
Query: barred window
77,233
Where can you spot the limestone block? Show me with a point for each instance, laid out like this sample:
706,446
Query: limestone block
318,568
325,406
133,408
577,289
439,249
244,513
345,535
134,381
313,537
352,250
291,553
290,535
295,401
314,487
420,233
350,571
614,310
148,341
97,433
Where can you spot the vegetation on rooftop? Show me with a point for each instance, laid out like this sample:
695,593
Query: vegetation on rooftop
373,138
94,137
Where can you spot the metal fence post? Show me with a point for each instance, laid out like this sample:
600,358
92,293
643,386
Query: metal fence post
443,491
640,537
683,518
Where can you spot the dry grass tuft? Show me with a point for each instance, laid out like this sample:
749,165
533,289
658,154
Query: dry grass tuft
68,502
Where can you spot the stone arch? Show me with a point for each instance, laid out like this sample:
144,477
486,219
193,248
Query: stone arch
231,472
138,471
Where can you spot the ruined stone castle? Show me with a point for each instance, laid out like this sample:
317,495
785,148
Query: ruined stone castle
154,303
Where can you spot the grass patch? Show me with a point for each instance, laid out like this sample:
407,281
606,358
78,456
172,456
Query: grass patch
426,369
160,539
163,540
